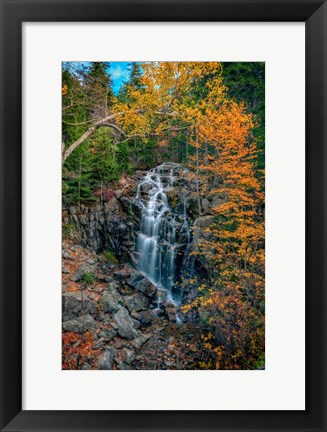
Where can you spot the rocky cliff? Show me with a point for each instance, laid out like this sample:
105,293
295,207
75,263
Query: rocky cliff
114,316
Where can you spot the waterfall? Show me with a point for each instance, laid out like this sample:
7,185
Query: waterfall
164,231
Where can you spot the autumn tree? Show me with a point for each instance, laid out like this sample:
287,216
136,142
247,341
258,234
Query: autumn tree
151,109
234,298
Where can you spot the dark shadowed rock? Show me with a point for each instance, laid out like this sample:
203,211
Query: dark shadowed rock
121,275
136,323
144,317
135,279
103,227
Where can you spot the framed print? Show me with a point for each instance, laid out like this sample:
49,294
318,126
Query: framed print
163,215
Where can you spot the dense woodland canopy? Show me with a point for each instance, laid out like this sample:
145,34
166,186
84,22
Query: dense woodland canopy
209,116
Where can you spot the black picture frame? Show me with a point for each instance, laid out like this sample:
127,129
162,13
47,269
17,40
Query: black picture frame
13,14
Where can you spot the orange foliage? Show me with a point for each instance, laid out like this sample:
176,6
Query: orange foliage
234,244
223,161
64,90
77,350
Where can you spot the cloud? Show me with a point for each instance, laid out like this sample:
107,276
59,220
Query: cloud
118,72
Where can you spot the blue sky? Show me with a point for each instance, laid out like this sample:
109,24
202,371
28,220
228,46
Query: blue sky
119,74
118,70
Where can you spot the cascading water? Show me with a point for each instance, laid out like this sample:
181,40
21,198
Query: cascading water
164,231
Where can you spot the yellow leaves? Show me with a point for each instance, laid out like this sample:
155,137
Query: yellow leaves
207,338
64,90
205,365
186,308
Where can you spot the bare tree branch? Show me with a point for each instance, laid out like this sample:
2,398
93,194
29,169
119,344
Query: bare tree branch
86,134
106,122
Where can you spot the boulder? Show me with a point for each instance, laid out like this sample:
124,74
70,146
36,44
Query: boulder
206,206
122,275
204,221
82,271
119,193
105,360
112,205
120,364
80,324
75,303
142,284
127,355
140,340
67,255
111,300
108,333
144,317
136,303
125,324
65,269
86,366
200,228
217,202
99,343
112,284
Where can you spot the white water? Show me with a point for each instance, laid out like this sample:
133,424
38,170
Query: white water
164,232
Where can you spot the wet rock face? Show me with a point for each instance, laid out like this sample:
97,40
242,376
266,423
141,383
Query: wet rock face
163,238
